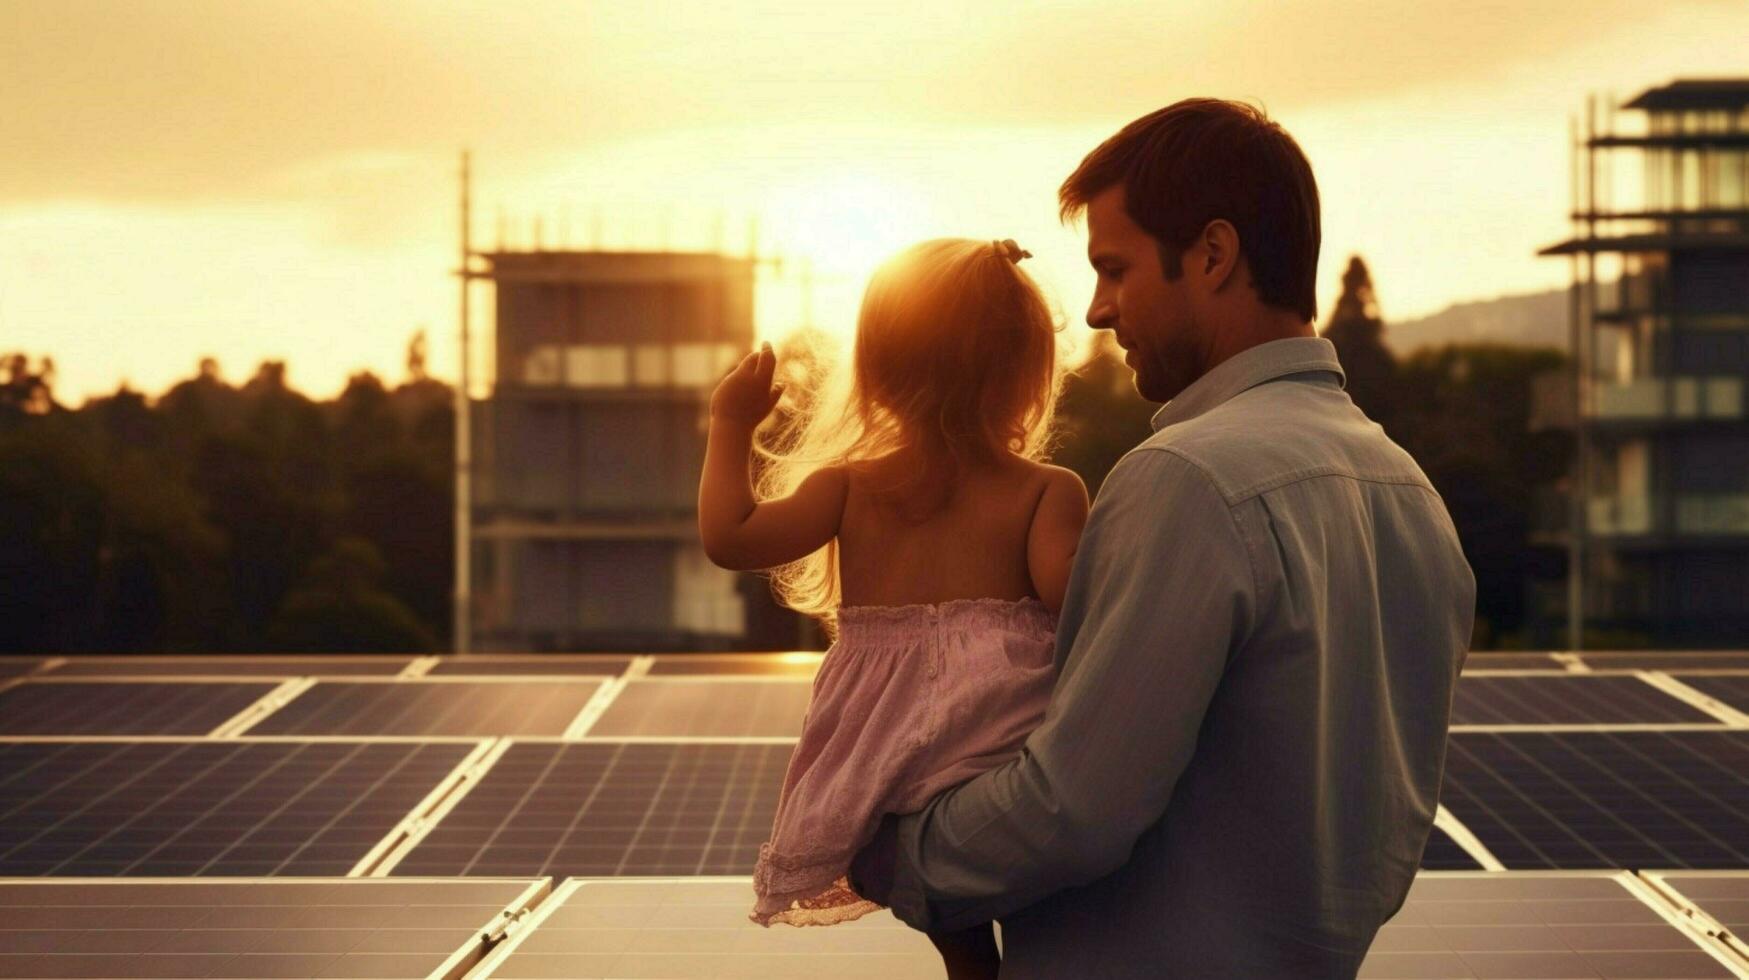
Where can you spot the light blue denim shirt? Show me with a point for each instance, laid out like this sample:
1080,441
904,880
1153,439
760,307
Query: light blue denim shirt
1242,756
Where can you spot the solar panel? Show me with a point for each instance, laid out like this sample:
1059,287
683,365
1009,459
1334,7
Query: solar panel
218,807
1719,896
698,929
431,708
1668,660
201,928
18,666
601,809
41,707
607,665
1568,699
1444,854
1733,689
758,664
1631,799
1530,926
705,708
227,666
1512,661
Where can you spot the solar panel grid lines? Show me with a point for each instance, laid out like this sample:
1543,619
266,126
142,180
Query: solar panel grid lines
598,705
1611,799
1449,835
419,667
608,808
1550,700
15,666
1716,902
420,824
1671,660
1444,854
231,666
1657,889
43,705
1727,693
695,707
252,927
431,706
696,927
1512,661
1540,925
270,702
528,665
421,813
203,806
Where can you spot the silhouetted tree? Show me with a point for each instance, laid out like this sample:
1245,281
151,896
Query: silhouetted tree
1100,416
338,607
1358,333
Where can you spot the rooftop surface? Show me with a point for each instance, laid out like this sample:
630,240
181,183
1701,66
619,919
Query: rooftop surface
597,815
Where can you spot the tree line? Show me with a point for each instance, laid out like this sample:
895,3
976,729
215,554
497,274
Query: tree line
221,518
249,518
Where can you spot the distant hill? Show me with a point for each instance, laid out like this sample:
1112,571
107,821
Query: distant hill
1529,319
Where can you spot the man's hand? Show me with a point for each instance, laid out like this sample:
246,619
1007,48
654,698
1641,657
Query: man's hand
747,395
871,870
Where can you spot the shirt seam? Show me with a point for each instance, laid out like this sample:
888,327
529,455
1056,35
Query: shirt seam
1238,497
1231,508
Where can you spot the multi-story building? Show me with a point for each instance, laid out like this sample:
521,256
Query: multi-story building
588,454
1659,530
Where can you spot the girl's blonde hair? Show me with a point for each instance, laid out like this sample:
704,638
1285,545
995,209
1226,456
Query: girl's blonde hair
955,362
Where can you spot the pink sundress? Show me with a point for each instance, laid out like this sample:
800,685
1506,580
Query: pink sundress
910,701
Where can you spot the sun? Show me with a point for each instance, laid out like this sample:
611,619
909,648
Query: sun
828,234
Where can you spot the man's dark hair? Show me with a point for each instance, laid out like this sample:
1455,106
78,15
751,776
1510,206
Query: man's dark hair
1194,161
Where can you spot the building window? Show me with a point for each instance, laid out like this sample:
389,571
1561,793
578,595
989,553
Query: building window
703,365
541,366
650,365
596,366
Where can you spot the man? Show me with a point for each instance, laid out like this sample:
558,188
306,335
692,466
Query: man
1266,619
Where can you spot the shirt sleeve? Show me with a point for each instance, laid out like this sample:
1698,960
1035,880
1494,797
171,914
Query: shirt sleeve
1163,588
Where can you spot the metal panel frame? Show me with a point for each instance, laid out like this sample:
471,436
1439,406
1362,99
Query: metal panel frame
458,964
1696,913
209,659
599,679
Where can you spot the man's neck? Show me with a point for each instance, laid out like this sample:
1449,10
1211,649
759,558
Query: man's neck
1266,324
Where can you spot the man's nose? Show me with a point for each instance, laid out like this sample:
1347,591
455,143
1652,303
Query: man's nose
1100,315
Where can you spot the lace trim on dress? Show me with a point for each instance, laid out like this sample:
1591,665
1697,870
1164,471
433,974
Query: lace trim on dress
1028,614
839,903
812,894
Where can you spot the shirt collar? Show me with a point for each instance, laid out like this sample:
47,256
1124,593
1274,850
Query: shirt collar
1248,369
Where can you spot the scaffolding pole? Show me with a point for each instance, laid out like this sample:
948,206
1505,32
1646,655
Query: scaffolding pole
462,624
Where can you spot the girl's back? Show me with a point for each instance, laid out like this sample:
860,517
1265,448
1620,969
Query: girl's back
971,544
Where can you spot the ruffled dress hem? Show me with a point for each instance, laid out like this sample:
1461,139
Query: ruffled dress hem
815,894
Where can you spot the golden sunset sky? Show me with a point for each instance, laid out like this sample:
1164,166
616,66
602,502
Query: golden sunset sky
260,180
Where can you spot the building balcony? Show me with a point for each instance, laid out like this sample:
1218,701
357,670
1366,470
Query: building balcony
1695,515
1713,513
1664,399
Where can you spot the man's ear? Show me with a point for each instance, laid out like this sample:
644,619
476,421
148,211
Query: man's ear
1217,253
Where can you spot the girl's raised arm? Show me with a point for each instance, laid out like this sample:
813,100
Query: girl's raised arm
738,532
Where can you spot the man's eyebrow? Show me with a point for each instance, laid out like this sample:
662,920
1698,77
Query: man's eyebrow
1098,257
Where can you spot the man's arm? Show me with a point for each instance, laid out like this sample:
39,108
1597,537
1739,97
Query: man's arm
1163,589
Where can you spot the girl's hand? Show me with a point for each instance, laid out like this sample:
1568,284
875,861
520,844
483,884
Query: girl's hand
747,395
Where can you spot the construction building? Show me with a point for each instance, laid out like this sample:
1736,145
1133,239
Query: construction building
1658,528
587,455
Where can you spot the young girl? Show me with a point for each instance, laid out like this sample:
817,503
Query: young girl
917,522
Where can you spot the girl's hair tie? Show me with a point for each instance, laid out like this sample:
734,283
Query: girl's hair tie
1008,249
